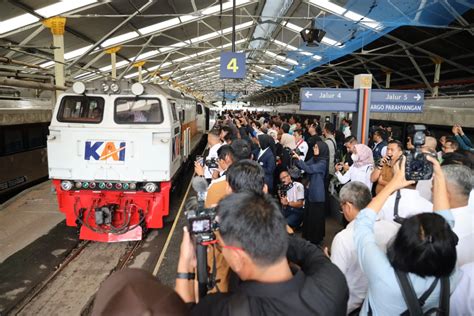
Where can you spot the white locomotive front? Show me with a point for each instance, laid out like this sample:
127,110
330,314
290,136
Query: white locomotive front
113,150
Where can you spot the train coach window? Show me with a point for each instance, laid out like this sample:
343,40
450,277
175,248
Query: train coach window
13,140
81,109
173,111
198,108
138,111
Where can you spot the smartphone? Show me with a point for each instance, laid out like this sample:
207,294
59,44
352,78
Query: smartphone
200,159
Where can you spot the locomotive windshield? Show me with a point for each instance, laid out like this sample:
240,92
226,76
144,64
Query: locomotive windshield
138,111
81,109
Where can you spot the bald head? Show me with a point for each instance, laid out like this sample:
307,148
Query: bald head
430,143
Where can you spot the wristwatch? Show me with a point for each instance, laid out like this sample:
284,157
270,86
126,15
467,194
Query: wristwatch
186,275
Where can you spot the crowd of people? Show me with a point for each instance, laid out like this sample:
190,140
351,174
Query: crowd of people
406,248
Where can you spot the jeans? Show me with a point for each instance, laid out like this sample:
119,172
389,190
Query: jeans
294,216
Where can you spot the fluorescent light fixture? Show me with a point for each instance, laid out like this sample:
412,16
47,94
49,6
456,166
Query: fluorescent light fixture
282,68
281,58
77,52
120,38
306,53
135,74
350,15
207,51
261,68
47,64
147,55
84,75
117,65
62,6
17,22
285,45
160,26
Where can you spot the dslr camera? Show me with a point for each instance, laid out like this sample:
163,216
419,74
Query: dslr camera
212,163
417,166
296,151
201,221
284,188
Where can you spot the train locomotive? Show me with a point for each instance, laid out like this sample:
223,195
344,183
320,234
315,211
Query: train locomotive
114,149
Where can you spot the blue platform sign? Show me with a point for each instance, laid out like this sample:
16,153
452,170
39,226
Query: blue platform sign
232,65
334,100
397,101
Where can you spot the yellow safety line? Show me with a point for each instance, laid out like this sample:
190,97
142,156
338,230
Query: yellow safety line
168,240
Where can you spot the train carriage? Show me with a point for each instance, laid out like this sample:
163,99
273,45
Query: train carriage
114,149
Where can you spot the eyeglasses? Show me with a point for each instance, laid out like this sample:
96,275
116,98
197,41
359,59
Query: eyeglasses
341,205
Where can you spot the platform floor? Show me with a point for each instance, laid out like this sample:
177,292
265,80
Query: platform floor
26,217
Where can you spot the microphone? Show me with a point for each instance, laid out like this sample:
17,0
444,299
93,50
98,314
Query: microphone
200,185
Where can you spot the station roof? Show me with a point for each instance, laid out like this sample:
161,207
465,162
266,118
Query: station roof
181,42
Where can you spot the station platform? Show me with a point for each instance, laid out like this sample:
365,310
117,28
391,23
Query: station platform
165,269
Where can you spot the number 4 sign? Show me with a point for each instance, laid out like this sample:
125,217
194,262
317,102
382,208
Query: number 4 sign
232,65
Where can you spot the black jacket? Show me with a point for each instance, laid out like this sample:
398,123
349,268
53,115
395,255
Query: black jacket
319,288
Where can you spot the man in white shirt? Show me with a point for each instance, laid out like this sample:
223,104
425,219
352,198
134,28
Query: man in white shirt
354,197
291,195
459,181
301,145
410,203
346,128
462,299
214,143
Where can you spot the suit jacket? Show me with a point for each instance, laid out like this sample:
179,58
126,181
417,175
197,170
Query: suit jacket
267,161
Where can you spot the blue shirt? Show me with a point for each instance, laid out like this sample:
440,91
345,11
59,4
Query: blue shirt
384,293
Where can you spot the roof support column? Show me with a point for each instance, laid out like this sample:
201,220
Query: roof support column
57,25
139,65
388,75
113,59
437,73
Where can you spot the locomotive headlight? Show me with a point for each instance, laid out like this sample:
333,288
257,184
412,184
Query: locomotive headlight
92,185
118,186
66,185
85,185
133,186
137,88
78,185
109,185
105,87
114,87
150,187
126,186
102,185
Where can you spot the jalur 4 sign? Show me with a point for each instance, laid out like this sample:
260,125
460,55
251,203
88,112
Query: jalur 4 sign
336,100
232,65
397,101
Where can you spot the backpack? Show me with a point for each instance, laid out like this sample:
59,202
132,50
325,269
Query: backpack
338,153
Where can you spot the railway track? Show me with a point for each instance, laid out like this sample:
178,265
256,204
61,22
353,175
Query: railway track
27,306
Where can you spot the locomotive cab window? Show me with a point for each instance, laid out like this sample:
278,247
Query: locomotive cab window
138,111
173,111
198,108
81,109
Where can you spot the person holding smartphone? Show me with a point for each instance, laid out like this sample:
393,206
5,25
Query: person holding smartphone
383,171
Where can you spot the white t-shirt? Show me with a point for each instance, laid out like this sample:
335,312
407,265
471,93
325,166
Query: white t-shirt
464,229
302,146
344,256
347,131
424,187
361,174
212,154
296,193
462,299
411,203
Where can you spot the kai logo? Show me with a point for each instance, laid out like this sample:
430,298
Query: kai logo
105,151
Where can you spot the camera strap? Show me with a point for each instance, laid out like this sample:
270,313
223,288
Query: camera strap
396,217
212,277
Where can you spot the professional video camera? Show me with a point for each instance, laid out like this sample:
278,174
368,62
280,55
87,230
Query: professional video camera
212,163
201,221
417,166
284,188
296,151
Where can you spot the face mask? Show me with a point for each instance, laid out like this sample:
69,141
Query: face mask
354,157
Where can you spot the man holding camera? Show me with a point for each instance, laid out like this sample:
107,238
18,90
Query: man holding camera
209,165
292,199
254,242
383,172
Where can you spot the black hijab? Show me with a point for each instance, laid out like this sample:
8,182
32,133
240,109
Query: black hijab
323,151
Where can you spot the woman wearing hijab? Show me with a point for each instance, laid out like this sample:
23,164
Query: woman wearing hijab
266,158
316,168
361,169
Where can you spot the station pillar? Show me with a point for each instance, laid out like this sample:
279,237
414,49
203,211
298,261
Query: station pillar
388,76
437,62
139,65
57,26
113,59
360,123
